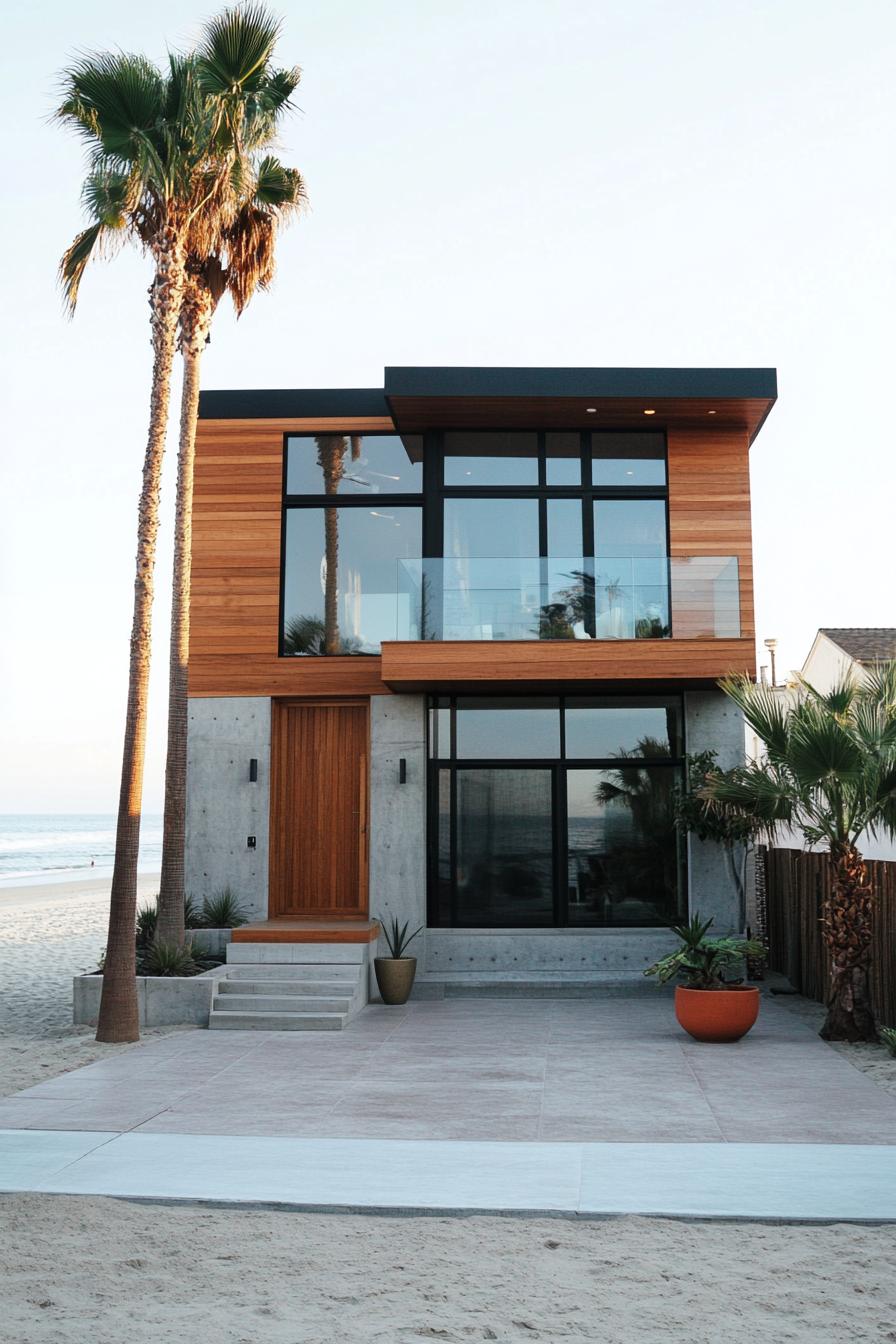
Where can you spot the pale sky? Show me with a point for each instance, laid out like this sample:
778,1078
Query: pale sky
544,182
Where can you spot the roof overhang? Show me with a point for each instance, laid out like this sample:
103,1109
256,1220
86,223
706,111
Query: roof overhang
507,398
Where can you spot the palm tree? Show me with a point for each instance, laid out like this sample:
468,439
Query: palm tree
231,249
830,772
331,451
144,134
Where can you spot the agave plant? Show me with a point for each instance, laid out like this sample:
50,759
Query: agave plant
703,961
223,910
397,937
147,918
169,959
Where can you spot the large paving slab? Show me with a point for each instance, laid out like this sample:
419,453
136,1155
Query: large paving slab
614,1070
820,1182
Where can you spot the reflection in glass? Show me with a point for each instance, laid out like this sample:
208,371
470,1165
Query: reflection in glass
563,454
623,857
340,577
599,727
628,459
369,464
505,848
631,569
486,458
507,728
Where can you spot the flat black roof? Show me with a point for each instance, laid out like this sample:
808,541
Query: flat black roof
407,381
281,403
423,381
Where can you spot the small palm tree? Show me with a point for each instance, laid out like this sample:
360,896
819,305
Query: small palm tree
830,772
231,249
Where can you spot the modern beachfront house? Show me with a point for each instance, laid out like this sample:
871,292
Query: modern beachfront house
450,641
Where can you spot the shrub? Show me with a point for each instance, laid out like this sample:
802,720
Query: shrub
169,959
147,919
888,1038
193,917
223,911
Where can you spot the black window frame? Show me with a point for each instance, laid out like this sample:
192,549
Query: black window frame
430,499
392,499
558,767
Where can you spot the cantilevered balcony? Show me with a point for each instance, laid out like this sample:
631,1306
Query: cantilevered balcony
471,622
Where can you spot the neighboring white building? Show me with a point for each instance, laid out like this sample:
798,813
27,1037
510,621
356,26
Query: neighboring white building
835,654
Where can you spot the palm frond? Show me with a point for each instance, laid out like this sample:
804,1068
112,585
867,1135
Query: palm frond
74,262
763,710
236,48
821,747
839,700
115,100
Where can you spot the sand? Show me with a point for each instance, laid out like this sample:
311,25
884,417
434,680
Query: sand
48,934
145,1273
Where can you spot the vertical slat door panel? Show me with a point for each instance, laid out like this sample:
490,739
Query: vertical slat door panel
318,864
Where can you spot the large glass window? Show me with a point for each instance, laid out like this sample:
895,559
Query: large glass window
628,459
499,728
340,590
487,458
555,811
354,464
518,535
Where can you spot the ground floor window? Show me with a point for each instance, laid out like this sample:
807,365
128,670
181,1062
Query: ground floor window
556,810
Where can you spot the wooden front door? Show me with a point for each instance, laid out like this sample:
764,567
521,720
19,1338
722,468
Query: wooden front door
319,764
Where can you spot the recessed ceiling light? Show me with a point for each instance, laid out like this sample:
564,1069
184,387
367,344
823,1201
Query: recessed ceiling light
649,412
592,410
710,412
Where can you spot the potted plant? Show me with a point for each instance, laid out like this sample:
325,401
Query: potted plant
709,1007
395,973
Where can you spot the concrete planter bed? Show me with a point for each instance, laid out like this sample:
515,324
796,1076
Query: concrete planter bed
164,1000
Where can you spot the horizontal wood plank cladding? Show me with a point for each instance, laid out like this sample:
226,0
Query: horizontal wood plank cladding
709,504
235,601
416,666
259,674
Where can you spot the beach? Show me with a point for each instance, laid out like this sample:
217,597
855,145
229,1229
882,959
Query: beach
49,933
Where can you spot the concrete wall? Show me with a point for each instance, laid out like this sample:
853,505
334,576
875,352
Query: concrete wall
398,814
713,723
163,1001
223,808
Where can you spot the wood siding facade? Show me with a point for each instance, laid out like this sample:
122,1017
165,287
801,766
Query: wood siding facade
234,623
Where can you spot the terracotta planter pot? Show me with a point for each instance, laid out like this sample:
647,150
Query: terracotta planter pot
717,1014
395,977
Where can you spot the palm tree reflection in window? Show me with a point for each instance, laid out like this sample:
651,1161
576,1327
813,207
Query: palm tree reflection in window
634,874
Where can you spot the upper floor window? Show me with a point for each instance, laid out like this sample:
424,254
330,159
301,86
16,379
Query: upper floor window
354,464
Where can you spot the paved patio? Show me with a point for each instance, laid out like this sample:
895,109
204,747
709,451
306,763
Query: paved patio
612,1070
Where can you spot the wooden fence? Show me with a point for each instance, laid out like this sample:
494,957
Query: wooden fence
795,884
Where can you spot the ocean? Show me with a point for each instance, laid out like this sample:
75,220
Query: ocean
45,847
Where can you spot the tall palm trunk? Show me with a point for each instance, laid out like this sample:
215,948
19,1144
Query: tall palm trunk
196,315
118,1016
846,924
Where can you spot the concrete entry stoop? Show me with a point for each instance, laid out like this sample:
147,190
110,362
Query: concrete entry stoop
290,987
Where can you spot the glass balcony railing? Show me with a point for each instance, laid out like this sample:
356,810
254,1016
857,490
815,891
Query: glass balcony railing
611,597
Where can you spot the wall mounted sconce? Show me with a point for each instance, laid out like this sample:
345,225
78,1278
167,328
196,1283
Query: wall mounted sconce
253,771
402,771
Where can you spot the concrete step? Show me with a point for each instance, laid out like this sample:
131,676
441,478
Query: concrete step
531,985
305,970
280,1003
285,954
291,987
251,1021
